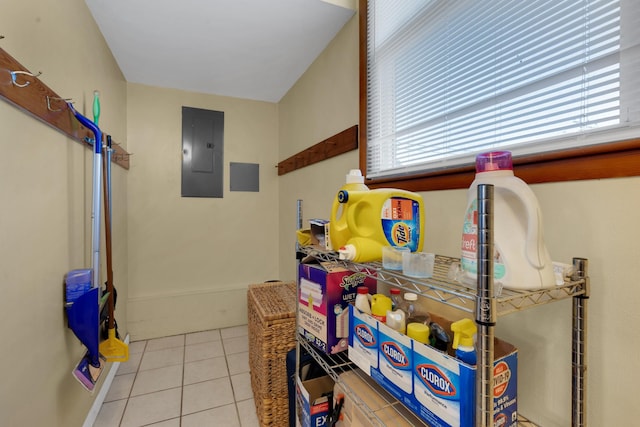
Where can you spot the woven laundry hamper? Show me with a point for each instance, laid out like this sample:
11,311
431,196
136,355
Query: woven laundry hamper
271,309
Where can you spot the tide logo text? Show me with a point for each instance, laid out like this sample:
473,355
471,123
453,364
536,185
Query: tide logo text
436,380
401,234
365,335
394,354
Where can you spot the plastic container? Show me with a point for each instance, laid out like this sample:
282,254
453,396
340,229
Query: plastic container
418,264
419,332
396,319
338,232
363,221
521,259
362,300
414,314
463,333
380,304
396,298
392,257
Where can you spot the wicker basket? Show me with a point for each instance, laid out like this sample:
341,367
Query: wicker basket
271,310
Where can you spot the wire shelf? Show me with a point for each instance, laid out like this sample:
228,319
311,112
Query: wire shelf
336,364
446,290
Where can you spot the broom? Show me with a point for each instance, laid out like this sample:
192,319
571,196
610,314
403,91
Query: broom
112,348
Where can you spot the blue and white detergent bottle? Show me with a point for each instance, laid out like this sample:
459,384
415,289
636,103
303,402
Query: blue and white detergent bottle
521,259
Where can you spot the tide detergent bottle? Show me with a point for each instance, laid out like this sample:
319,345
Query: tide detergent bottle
363,220
521,259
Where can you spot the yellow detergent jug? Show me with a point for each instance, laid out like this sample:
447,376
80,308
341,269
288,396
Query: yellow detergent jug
338,230
363,221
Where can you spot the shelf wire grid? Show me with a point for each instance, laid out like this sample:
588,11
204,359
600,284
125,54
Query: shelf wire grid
442,287
339,363
445,287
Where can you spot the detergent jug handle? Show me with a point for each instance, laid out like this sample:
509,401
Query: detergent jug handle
534,226
338,223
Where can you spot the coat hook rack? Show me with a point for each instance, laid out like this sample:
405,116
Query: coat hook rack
14,75
33,96
54,98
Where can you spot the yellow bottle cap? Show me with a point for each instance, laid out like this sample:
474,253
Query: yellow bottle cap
419,332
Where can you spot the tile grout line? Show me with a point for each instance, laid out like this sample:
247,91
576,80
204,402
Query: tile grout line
184,362
235,400
146,350
134,381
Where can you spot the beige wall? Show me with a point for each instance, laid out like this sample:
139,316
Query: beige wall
173,277
592,219
322,103
46,210
191,259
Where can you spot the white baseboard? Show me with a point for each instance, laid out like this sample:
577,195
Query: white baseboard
102,394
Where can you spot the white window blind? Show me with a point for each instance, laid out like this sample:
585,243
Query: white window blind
447,80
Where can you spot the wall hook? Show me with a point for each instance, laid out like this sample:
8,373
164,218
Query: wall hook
50,98
26,73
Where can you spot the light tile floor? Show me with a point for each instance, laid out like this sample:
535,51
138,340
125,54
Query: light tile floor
199,379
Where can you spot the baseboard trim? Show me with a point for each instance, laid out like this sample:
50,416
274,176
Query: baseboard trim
178,294
102,394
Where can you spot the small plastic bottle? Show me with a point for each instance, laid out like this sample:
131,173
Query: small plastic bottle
362,300
396,298
463,332
414,313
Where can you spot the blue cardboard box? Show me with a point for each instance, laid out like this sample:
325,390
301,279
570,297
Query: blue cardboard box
444,387
395,363
363,340
436,386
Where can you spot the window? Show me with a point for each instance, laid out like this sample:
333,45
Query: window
446,80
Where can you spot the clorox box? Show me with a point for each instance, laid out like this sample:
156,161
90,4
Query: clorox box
324,293
444,387
395,363
363,340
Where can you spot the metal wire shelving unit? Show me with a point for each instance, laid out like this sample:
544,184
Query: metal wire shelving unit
487,303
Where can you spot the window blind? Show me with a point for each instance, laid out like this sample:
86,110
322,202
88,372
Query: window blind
447,80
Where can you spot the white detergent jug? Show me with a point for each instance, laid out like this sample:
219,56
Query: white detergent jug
521,259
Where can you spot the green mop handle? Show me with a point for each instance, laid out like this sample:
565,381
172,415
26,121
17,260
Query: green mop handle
96,107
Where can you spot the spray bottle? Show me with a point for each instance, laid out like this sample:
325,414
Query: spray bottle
463,333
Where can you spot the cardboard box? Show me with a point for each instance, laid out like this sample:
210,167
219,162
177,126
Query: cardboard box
324,293
313,401
443,387
395,363
320,234
378,402
363,340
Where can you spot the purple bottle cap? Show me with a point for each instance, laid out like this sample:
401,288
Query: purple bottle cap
494,161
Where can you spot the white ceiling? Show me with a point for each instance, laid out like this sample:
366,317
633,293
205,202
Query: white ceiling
253,49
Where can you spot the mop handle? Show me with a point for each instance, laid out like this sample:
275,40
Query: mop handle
97,178
109,154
